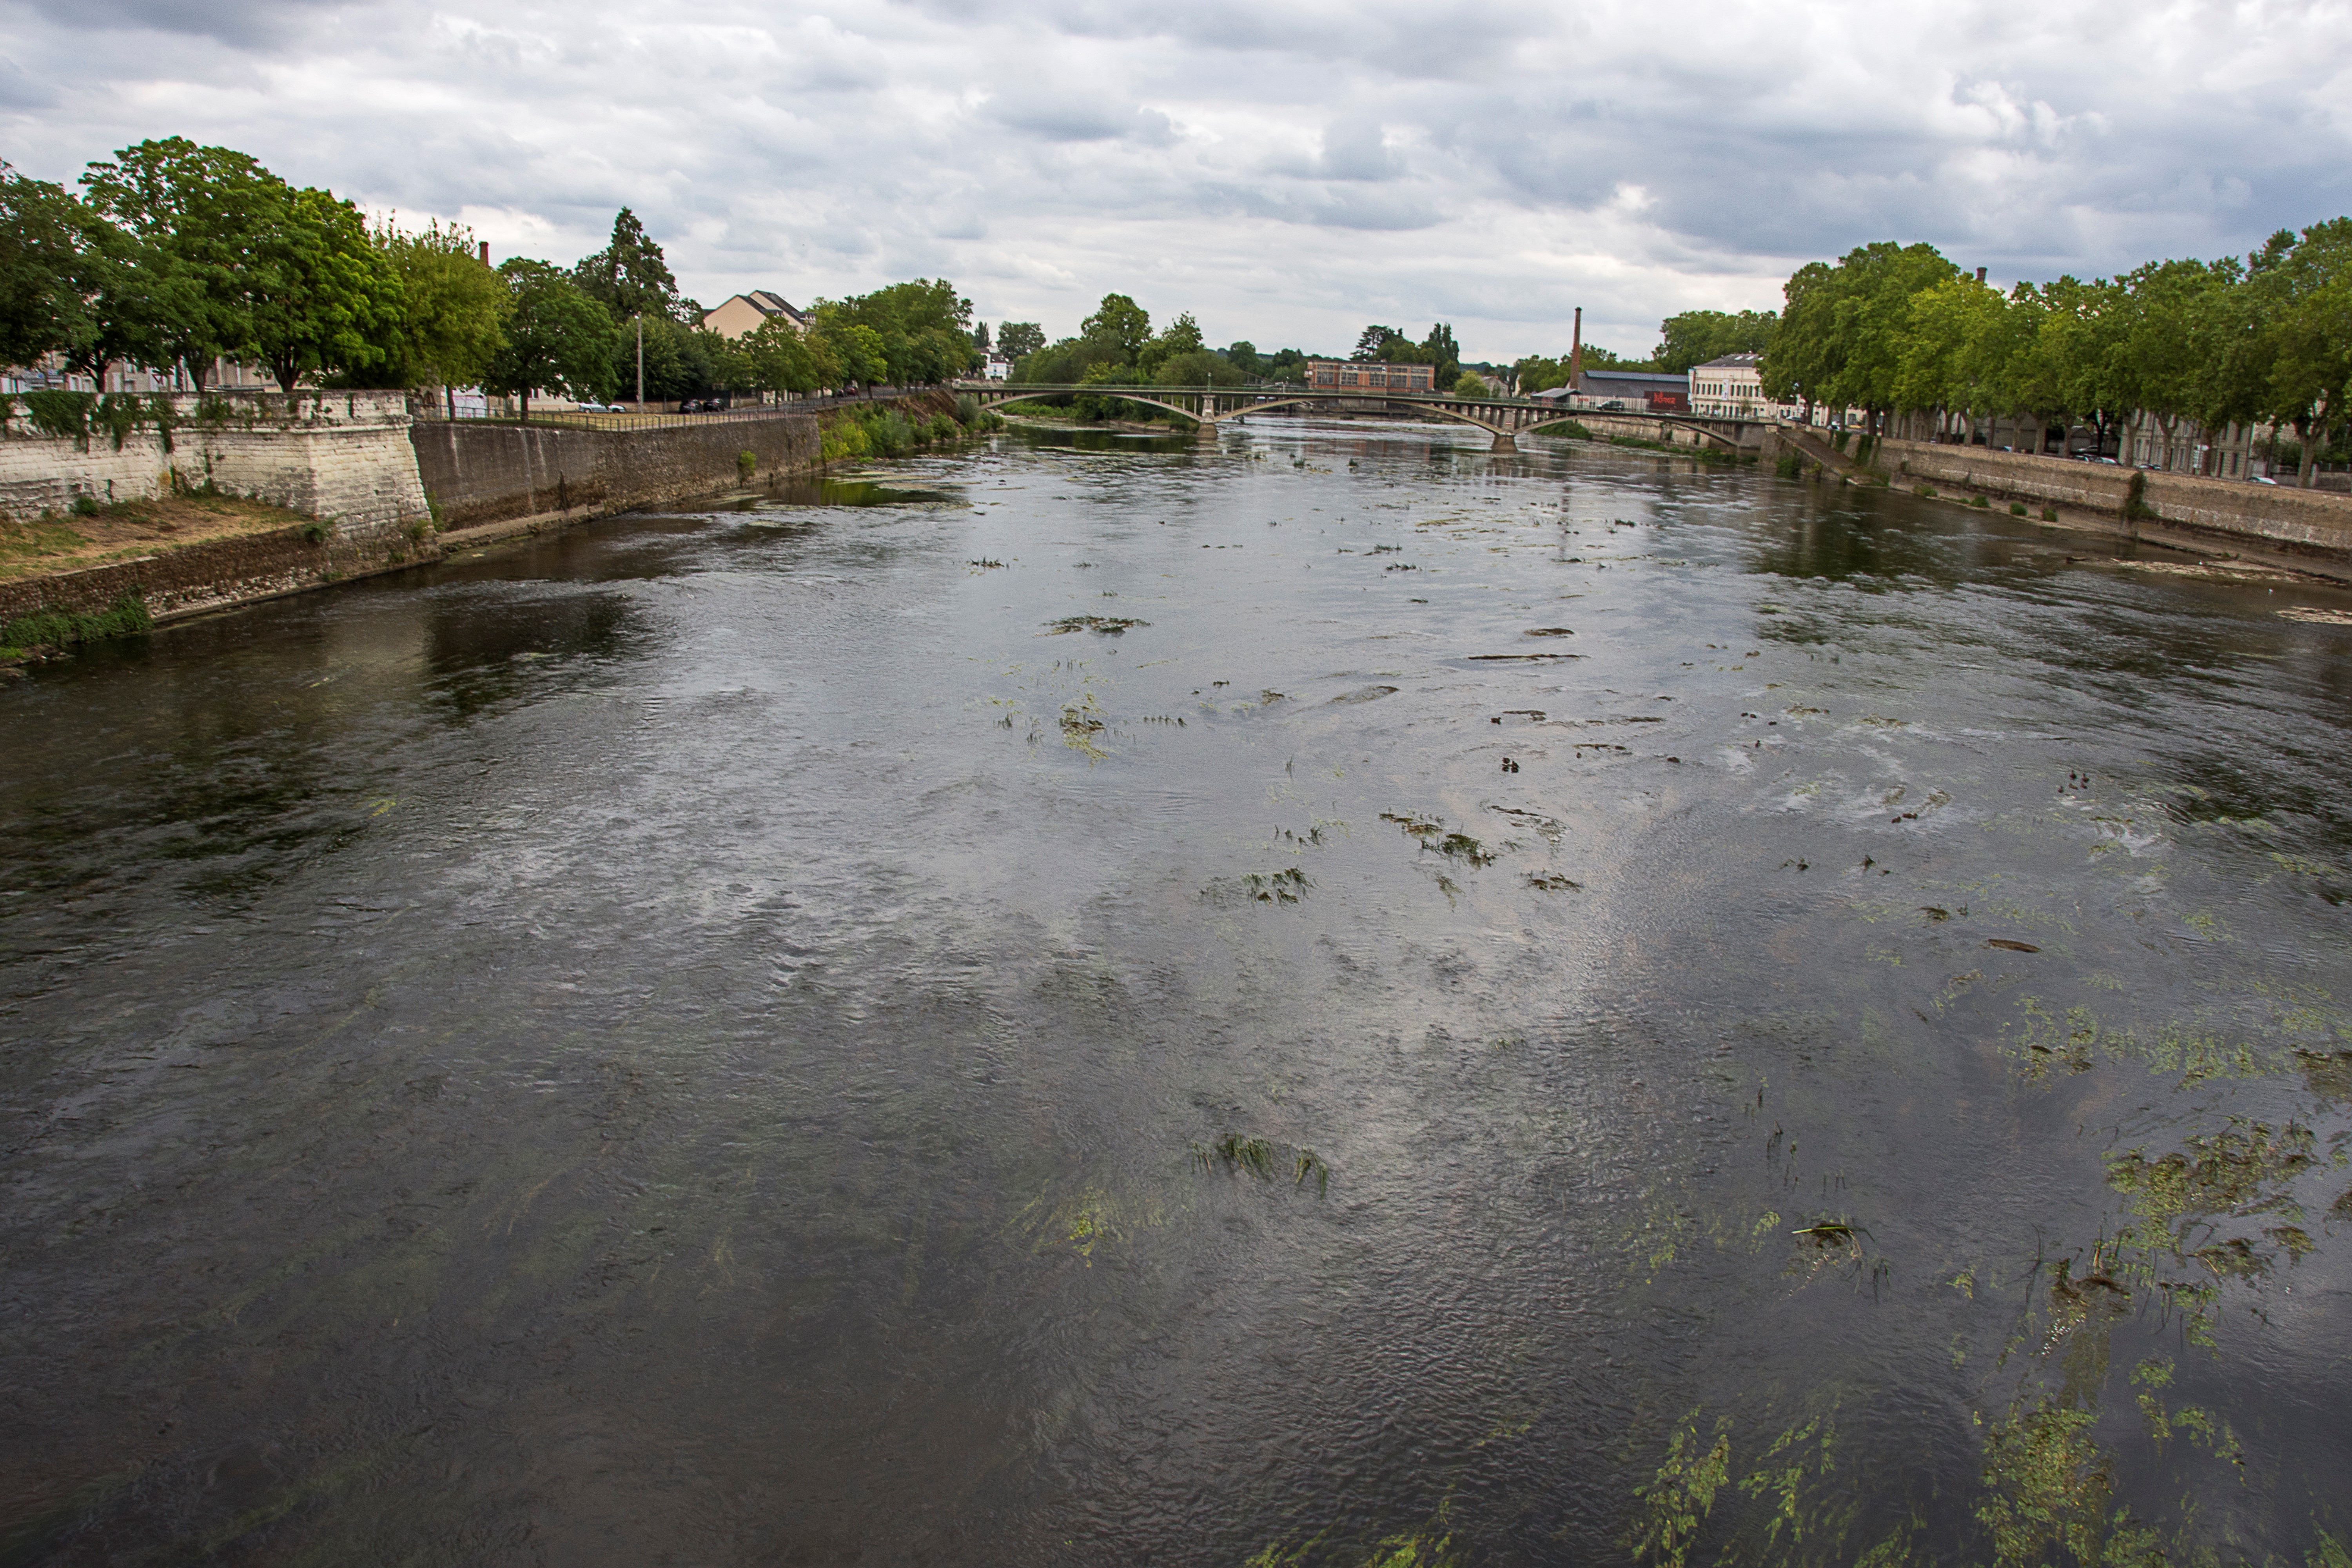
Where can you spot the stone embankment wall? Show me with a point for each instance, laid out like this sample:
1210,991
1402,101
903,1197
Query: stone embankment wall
342,456
213,574
477,472
2276,517
1743,437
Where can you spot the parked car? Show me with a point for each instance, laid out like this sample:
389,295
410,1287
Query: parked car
1614,406
2265,480
601,408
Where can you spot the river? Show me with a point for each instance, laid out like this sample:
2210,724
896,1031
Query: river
1102,1000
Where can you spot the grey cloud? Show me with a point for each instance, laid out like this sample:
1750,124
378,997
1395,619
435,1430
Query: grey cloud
19,91
1052,150
1053,115
1354,149
243,23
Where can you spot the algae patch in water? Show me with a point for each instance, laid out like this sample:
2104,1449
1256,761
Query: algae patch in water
1109,626
1260,1158
1432,834
1287,886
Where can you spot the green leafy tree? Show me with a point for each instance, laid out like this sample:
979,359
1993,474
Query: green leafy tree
43,235
630,276
783,360
979,337
1017,340
1242,355
322,297
1944,356
1288,365
1182,337
2166,348
453,308
1535,372
1806,354
923,327
1695,337
1118,321
857,350
1197,367
125,295
2305,285
1470,384
557,338
1439,350
212,230
1840,338
1377,342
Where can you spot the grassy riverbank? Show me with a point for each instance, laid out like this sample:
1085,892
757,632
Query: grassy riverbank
127,531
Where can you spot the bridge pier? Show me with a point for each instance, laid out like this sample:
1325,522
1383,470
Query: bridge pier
1503,443
1204,430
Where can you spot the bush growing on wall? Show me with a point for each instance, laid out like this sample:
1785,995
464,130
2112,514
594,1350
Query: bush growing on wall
127,616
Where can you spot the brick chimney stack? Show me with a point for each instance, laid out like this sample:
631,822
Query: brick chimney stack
1576,351
485,253
1980,272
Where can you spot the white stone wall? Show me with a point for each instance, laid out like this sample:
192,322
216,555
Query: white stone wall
342,457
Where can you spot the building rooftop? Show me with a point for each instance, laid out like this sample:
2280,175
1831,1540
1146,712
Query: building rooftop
1733,361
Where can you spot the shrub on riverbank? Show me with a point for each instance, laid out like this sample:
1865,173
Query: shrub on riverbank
127,616
875,431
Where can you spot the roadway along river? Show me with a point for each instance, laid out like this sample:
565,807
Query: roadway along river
1516,988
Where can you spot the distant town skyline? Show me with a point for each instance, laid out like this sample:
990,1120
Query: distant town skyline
1287,174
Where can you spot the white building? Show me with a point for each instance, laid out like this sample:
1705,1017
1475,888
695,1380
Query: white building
1732,387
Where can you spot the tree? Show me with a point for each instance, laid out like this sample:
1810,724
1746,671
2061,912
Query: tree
1197,367
127,297
857,350
783,360
453,308
630,276
1376,342
1806,353
42,239
1241,355
2168,347
923,328
202,214
2305,285
1288,365
1118,320
1471,384
1440,349
1016,339
1695,337
1536,373
321,296
980,336
1955,349
1182,336
557,338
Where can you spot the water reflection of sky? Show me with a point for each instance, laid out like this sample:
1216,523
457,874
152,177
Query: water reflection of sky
741,1041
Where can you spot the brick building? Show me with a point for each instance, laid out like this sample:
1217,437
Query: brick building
1346,375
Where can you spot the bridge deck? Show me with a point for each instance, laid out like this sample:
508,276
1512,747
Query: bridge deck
1502,416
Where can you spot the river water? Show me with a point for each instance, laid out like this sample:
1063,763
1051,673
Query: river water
1537,1009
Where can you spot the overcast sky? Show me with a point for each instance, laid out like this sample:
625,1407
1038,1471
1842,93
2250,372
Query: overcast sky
1287,170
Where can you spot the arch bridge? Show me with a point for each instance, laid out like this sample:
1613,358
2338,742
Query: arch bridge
1503,418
